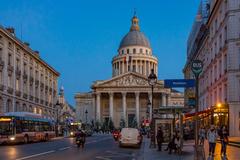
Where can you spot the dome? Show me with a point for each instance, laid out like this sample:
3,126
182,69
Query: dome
134,37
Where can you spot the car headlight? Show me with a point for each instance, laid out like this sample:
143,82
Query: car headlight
12,138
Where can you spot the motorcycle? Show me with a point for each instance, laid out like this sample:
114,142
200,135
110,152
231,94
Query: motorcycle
80,142
115,136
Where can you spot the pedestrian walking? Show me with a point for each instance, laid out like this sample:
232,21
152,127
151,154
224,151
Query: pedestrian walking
202,135
224,140
159,138
212,137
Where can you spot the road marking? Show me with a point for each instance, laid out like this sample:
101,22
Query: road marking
35,155
99,157
61,149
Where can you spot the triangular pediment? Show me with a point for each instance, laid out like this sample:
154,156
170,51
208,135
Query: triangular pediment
130,79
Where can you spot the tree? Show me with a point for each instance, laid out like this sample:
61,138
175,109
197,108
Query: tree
134,123
122,123
111,124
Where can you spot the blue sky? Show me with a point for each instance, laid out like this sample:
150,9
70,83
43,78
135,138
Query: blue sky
80,37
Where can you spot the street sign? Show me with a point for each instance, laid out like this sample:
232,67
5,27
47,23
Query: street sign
197,66
179,83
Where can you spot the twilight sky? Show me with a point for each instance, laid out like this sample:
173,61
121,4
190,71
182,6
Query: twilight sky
80,37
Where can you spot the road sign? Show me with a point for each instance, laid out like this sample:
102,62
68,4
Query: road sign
179,83
197,66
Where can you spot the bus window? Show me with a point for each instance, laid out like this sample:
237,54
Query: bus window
18,126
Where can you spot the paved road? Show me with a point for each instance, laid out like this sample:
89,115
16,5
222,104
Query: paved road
98,147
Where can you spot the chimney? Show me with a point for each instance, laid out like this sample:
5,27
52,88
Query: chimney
11,30
27,44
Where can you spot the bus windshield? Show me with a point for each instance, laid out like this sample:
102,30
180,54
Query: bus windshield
6,128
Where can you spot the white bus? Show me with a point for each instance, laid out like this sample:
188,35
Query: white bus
25,127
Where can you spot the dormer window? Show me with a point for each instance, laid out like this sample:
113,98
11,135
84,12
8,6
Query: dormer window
134,50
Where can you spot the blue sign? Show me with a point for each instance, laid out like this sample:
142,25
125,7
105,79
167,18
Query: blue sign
179,83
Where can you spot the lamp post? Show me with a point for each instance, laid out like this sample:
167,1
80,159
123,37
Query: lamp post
86,112
57,105
152,80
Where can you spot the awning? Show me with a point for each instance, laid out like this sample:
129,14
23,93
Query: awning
187,115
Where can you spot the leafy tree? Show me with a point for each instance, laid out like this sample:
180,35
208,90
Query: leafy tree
122,123
111,124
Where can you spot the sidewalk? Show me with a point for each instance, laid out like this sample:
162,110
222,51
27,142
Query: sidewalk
152,153
233,153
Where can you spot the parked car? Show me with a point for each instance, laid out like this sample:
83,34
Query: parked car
130,137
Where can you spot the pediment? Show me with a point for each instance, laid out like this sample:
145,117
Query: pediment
126,80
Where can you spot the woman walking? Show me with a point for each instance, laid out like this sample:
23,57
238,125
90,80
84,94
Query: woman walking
224,140
212,137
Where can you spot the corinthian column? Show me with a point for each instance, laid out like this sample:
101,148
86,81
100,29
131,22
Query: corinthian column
124,105
98,106
164,100
137,106
111,105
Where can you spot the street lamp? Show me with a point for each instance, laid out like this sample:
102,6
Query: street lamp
86,112
57,105
152,80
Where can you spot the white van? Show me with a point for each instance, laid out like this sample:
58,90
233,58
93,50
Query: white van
130,137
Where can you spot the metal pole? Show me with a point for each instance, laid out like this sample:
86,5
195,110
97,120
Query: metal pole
153,122
57,124
196,121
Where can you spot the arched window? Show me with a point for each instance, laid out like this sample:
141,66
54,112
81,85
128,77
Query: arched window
134,50
141,51
122,51
127,51
30,108
146,51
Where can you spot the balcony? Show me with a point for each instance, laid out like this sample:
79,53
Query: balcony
41,85
10,69
25,76
18,93
18,73
10,90
36,100
1,64
31,98
2,87
31,79
25,96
